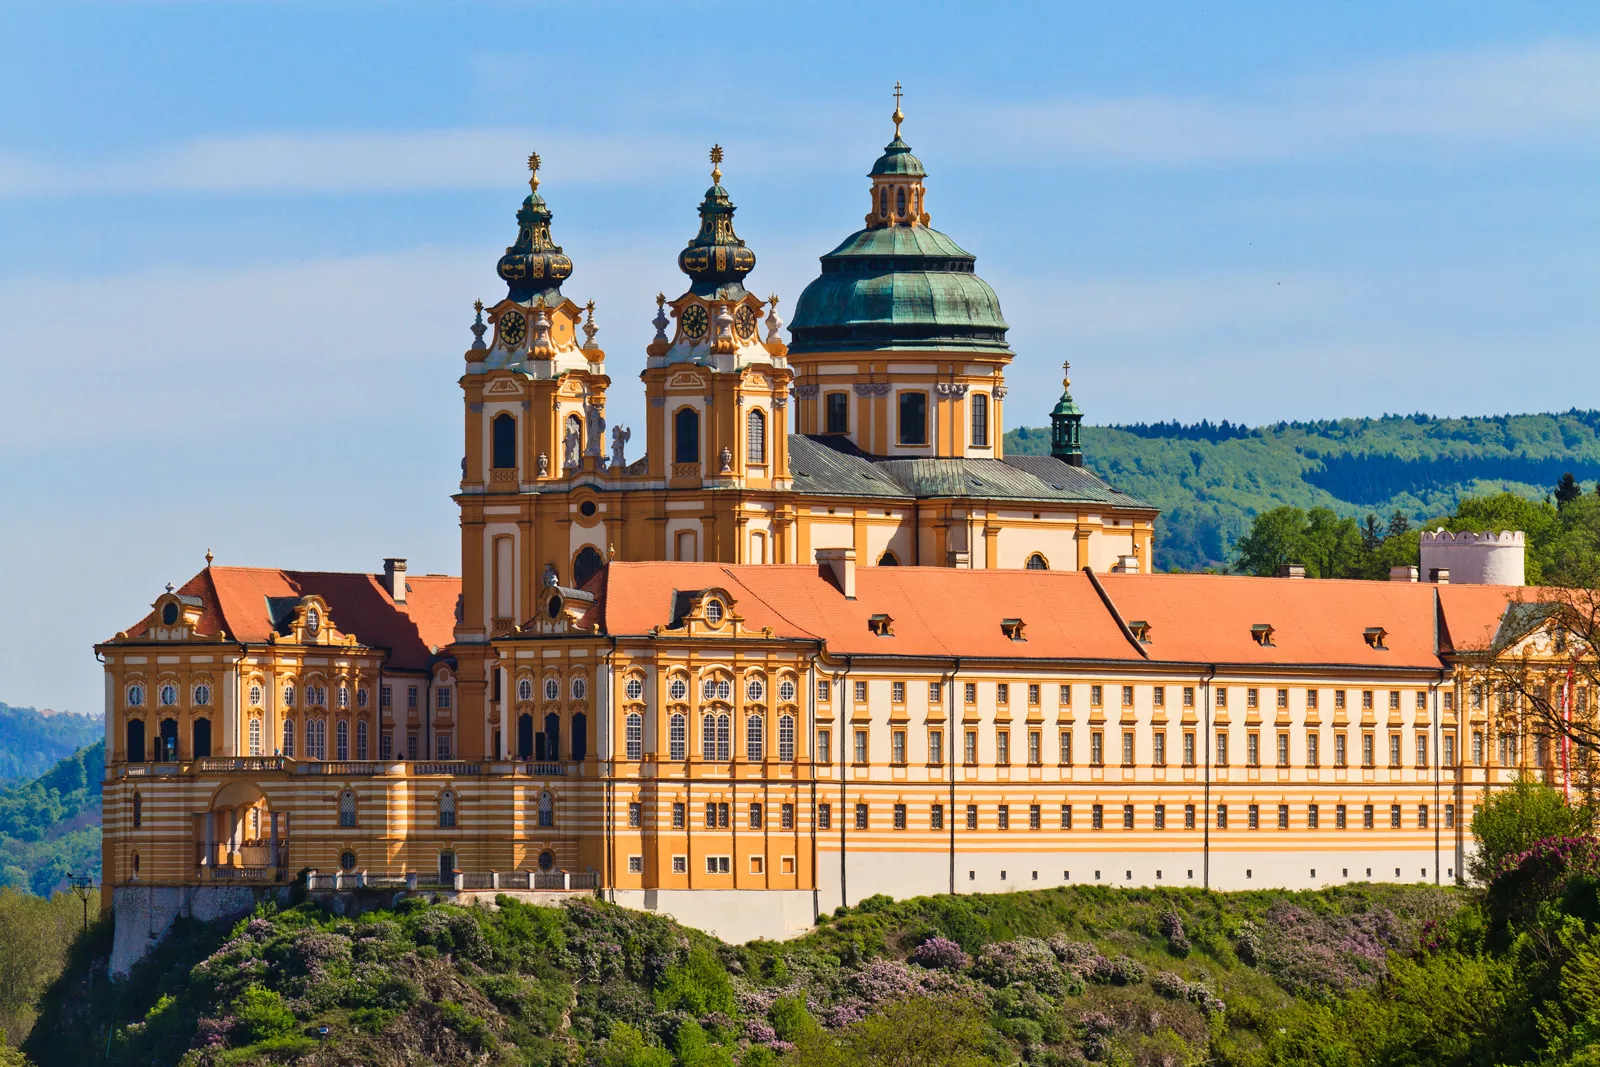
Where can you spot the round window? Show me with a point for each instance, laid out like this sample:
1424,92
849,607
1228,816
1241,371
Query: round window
525,689
579,688
255,696
347,860
554,607
552,689
169,614
547,860
786,690
754,690
135,696
713,611
202,695
169,695
677,690
313,621
708,689
635,689
586,509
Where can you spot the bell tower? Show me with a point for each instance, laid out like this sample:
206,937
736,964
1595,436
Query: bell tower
1066,419
717,393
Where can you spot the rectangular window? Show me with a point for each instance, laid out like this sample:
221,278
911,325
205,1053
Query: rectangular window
1394,700
1161,817
1449,700
1188,748
635,814
1394,750
1035,747
899,816
756,819
1252,698
935,693
1003,817
1311,700
635,864
1422,700
861,746
1002,746
972,816
1127,816
411,746
1422,816
680,865
1095,695
897,744
1127,696
1222,748
861,692
677,814
718,864
825,745
1097,748
1367,755
969,692
837,420
897,692
1066,748
824,816
1283,750
1477,747
1311,750
1449,816
1339,816
1283,698
936,817
1283,816
824,692
1097,817
861,816
1033,695
1422,750
786,816
711,816
1127,748
1449,750
1158,696
970,750
1252,749
1311,816
1254,817
1158,743
1188,696
1338,699
1339,754
1066,816
1394,816
936,746
1035,818
411,696
1366,699
1222,696
1002,693
1065,696
1222,816
386,746
1188,817
913,418
1367,822
980,420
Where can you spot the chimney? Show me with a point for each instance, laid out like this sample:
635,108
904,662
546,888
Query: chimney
841,565
394,579
1126,565
1291,570
1439,575
1402,574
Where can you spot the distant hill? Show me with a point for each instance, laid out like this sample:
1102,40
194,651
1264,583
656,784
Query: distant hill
51,825
35,739
1210,479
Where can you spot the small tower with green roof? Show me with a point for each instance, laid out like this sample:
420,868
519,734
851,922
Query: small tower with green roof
1065,420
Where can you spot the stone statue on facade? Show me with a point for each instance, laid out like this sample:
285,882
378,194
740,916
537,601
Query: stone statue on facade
619,440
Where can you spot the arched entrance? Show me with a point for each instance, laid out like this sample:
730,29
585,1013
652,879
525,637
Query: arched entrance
585,565
241,839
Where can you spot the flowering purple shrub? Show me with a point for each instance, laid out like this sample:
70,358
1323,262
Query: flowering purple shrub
1325,955
1027,960
1172,930
1550,870
941,954
1072,953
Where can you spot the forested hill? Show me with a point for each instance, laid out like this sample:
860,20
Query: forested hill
50,827
36,739
1210,479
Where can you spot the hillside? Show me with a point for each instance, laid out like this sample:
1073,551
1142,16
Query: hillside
1210,480
36,739
51,825
1052,977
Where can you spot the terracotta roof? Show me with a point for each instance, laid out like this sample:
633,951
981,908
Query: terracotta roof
247,603
1472,613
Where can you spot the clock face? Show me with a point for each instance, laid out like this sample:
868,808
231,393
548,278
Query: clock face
513,328
744,322
694,322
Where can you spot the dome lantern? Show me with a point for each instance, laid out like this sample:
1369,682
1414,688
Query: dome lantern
716,260
534,266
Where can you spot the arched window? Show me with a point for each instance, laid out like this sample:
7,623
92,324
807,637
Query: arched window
169,695
341,740
755,739
288,738
525,689
547,810
586,564
361,739
552,689
447,810
580,735
200,738
686,436
900,201
1036,562
980,420
347,807
317,739
633,733
888,559
883,203
714,735
255,735
552,736
756,436
786,738
167,741
138,811
505,441
202,695
524,736
676,738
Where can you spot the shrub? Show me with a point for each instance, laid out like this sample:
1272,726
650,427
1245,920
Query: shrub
942,954
1172,930
1511,821
262,1014
790,1019
699,985
625,1046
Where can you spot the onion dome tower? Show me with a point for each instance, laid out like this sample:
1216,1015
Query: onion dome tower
1065,420
534,265
716,260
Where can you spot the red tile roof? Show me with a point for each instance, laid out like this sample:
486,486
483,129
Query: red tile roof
1472,613
237,600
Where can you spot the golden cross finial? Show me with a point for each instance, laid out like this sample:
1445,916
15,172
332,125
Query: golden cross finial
477,305
661,301
716,160
1066,374
533,171
898,115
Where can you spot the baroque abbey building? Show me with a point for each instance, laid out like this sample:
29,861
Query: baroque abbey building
819,638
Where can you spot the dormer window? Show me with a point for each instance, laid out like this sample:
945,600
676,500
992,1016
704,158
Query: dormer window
713,612
313,621
1375,636
553,607
881,624
1012,628
1261,633
1140,630
169,613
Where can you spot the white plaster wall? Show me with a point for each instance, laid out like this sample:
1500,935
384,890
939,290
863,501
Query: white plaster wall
734,915
1059,545
830,535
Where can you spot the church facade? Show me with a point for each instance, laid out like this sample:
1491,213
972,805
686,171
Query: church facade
823,638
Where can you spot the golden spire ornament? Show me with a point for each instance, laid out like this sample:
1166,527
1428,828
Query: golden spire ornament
533,171
716,164
898,116
1066,375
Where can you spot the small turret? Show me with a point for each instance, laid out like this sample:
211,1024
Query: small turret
716,260
1065,419
534,266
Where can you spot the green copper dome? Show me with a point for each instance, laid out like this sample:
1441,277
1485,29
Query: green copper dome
898,287
534,267
897,160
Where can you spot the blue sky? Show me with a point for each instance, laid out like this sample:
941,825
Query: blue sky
239,242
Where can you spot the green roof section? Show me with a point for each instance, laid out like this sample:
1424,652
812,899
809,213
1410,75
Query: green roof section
897,161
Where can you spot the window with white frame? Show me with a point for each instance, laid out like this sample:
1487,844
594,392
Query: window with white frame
677,737
678,689
755,689
786,690
786,738
755,739
447,810
288,738
633,733
341,740
634,689
255,735
552,689
361,740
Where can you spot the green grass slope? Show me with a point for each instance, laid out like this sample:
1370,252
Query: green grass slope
51,825
1210,480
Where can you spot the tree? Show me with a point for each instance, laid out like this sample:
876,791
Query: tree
625,1046
920,1032
1511,821
699,985
1327,545
1567,490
